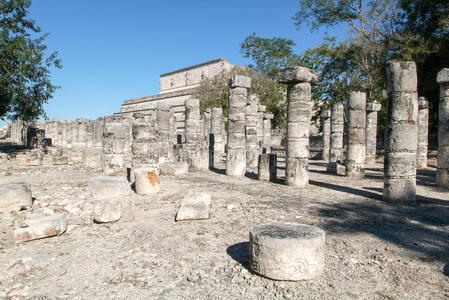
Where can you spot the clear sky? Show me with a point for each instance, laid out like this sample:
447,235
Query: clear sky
114,50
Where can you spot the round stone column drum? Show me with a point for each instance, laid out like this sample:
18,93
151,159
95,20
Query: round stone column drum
287,251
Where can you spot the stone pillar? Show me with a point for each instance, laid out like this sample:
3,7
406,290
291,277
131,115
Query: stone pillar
192,120
401,133
326,118
98,132
336,140
74,130
251,118
207,125
216,138
266,133
260,114
423,132
163,117
115,143
236,156
90,132
371,131
355,160
299,111
443,130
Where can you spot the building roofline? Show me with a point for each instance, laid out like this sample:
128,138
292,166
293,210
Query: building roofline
195,66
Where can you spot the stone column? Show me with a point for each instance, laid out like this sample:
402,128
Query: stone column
115,143
74,130
260,114
236,156
252,147
192,120
355,161
371,131
266,132
90,131
216,136
299,111
443,130
207,123
163,117
98,132
336,139
401,133
326,118
423,132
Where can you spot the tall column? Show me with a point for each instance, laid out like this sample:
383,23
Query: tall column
266,132
192,120
326,118
216,137
98,132
355,161
423,133
207,121
443,130
252,147
371,131
236,156
401,133
299,111
260,114
336,140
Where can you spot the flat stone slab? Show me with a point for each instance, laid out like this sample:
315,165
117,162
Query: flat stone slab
174,168
194,206
109,187
287,251
41,227
111,210
240,81
15,197
297,74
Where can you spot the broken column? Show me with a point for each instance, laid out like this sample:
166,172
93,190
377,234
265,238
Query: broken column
423,132
192,120
287,251
355,161
115,143
236,156
371,131
216,139
266,132
326,118
163,117
336,138
299,111
196,147
401,133
251,119
443,130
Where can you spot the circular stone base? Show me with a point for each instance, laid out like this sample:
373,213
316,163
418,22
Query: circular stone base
286,251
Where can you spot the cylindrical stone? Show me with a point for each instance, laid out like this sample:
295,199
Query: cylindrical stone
336,137
443,129
401,133
287,251
236,156
147,181
423,132
355,160
371,132
325,116
266,132
251,130
193,129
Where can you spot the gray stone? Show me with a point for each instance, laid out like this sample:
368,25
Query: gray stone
287,251
109,187
15,197
41,227
442,177
297,74
443,76
194,206
240,81
336,137
325,117
174,168
355,160
371,132
423,132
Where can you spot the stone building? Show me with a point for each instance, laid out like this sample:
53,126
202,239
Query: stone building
175,88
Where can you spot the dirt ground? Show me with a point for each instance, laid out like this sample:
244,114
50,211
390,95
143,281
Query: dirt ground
374,250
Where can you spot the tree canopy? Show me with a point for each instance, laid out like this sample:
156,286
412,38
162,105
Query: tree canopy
25,84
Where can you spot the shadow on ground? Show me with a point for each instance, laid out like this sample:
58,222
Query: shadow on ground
240,253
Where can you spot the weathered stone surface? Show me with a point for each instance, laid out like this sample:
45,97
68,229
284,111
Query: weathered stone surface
443,76
41,227
240,81
423,132
355,160
109,187
3,158
336,136
93,157
325,117
297,74
194,206
147,181
371,131
401,133
28,160
287,251
107,210
14,197
174,168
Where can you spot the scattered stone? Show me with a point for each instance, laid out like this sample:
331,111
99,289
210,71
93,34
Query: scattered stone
194,206
60,160
14,197
40,227
109,187
174,168
287,251
147,181
3,158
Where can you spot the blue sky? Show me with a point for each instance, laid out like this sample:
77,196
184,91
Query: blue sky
115,50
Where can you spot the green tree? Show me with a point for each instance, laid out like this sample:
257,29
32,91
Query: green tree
214,92
25,84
